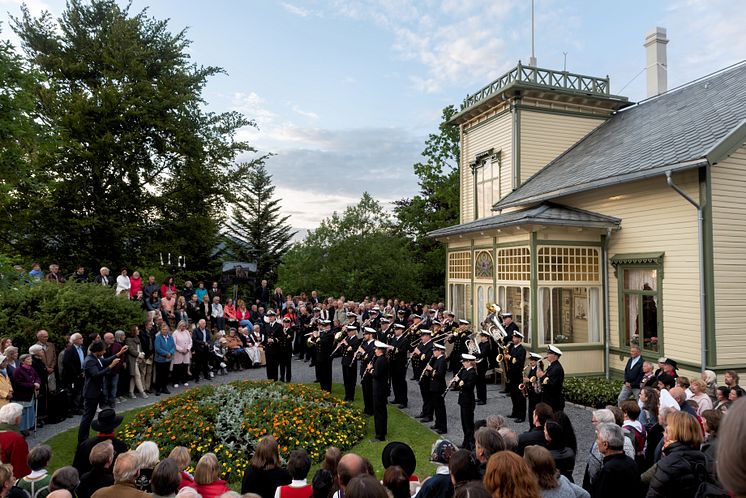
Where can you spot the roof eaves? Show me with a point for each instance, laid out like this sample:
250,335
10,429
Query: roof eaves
728,144
604,182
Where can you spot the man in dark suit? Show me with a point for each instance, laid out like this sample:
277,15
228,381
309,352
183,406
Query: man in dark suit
324,348
552,380
400,344
104,425
272,330
379,372
348,351
438,370
465,382
96,370
632,375
73,361
201,341
516,359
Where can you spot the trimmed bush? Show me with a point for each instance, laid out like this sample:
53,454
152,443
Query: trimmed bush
592,391
63,310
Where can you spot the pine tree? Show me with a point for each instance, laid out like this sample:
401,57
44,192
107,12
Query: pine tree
257,231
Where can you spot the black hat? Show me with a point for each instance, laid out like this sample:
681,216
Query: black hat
400,454
107,421
673,363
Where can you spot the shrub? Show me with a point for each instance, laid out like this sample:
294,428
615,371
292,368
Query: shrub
228,420
592,391
62,310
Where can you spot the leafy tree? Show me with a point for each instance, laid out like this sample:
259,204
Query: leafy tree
356,253
436,205
257,231
64,309
139,166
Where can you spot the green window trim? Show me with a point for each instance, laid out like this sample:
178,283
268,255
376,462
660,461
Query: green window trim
622,262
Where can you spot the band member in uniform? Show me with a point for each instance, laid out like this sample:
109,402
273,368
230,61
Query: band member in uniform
352,320
374,319
483,358
437,329
552,380
449,322
438,368
465,382
509,326
533,388
271,346
516,360
348,350
378,371
385,332
458,339
400,344
324,348
401,318
285,341
422,354
366,381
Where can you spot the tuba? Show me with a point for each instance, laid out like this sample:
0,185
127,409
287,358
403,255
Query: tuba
492,324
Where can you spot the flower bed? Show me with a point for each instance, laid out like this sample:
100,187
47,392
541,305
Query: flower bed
228,420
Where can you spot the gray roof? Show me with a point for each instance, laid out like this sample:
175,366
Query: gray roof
544,214
688,127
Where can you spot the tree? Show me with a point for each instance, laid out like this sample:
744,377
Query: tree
356,253
257,231
436,205
138,165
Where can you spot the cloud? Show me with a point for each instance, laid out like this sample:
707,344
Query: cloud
295,10
306,114
253,107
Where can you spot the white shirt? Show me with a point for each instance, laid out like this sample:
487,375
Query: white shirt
667,401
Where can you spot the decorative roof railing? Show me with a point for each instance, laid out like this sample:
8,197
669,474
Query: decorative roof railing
543,77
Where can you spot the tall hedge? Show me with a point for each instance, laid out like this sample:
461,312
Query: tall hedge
62,310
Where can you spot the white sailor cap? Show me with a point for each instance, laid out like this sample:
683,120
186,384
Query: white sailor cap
325,322
468,357
374,310
554,349
464,322
433,310
385,320
534,356
399,326
381,345
316,308
426,332
400,312
662,359
369,330
437,322
507,314
449,313
417,316
350,314
351,327
518,334
271,313
287,319
439,346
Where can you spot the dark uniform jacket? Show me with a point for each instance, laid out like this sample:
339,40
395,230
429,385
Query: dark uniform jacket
517,362
551,386
438,379
369,348
324,347
466,387
348,352
273,330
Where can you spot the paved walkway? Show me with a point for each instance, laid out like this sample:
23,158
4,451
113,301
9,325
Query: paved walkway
496,404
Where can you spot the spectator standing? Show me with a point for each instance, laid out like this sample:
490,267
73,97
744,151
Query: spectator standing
542,413
103,277
151,287
183,354
123,284
711,420
39,478
731,452
96,369
201,340
207,477
215,292
632,375
104,425
6,387
126,469
187,291
439,485
552,484
618,476
135,284
26,384
264,474
324,481
54,274
42,394
564,456
73,377
699,394
165,348
135,362
100,476
146,344
216,313
111,380
13,446
36,274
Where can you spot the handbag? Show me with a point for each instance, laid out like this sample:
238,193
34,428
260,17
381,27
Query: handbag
52,383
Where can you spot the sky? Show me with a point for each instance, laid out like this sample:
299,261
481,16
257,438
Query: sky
345,93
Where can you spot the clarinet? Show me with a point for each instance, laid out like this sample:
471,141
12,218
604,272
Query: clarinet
451,384
366,371
424,370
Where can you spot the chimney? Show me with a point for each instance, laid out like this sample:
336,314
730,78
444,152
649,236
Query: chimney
657,61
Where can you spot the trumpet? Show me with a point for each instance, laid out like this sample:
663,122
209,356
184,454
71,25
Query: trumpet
359,354
452,383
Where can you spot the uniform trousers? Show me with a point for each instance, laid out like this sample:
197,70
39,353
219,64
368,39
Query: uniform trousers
467,425
439,407
367,385
349,376
325,375
399,384
286,370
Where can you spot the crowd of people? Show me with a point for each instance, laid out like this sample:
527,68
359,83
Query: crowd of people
661,439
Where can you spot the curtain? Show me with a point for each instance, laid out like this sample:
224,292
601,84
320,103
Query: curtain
480,304
594,314
544,324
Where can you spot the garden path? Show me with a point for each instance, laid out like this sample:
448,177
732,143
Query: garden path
496,404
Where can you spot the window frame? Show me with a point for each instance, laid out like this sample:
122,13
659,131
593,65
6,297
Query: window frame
648,261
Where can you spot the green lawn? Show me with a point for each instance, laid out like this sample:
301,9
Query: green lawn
401,427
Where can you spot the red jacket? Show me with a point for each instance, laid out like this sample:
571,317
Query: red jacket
135,285
14,450
187,481
212,490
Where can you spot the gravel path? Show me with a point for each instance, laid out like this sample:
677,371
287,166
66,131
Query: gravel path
496,404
